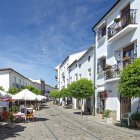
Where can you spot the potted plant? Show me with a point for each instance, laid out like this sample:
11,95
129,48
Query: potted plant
136,117
107,66
11,122
117,20
108,74
107,116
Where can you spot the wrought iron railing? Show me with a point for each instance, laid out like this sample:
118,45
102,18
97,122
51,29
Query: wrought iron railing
129,17
114,70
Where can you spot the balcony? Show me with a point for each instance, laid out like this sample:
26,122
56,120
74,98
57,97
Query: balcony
113,71
122,25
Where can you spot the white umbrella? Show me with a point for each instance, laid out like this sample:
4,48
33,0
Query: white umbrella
40,97
25,95
3,94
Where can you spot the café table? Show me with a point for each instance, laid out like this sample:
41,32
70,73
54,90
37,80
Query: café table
20,115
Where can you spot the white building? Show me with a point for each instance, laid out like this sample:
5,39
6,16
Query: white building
48,89
63,70
11,78
83,68
117,36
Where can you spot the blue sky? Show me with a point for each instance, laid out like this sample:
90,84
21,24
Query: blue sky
37,35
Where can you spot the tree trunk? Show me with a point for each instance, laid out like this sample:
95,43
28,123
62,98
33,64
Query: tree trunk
138,105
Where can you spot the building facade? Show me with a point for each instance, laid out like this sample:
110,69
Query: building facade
11,78
62,70
117,45
83,68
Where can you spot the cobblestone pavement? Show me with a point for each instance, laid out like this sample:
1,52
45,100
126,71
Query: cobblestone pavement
53,122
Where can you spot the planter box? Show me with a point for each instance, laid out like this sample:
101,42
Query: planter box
109,120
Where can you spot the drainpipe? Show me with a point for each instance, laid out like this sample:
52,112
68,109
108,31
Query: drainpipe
94,79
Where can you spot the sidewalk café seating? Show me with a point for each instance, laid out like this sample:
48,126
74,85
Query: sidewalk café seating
20,115
30,114
126,119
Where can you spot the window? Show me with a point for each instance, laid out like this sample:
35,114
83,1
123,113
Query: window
14,79
76,77
70,79
88,58
19,81
101,64
79,65
125,16
101,31
128,55
76,65
80,76
89,73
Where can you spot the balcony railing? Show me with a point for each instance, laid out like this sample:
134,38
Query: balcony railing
114,70
129,17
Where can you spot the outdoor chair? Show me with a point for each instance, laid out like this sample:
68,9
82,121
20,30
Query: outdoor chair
30,115
126,119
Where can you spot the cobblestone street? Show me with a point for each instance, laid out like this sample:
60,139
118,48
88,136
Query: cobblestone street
53,122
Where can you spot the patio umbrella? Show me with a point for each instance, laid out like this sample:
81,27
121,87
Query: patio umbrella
40,97
25,95
3,94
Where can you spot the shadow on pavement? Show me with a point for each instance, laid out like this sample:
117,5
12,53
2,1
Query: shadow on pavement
79,113
6,132
40,119
126,126
44,107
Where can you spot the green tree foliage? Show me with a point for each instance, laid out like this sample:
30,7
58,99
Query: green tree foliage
13,90
1,88
81,89
33,89
55,94
65,93
129,85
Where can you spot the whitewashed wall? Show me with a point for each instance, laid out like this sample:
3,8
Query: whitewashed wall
4,80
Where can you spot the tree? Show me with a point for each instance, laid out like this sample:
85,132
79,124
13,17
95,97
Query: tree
129,85
33,89
81,89
55,94
65,92
1,88
13,90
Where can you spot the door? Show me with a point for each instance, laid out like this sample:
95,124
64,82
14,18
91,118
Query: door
125,104
125,16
